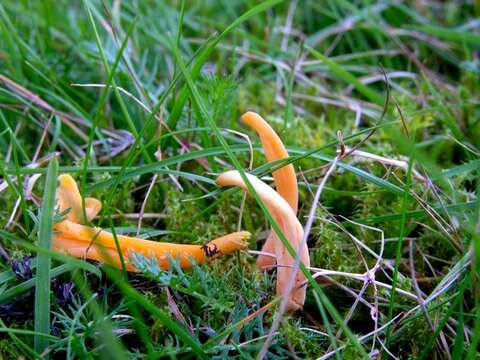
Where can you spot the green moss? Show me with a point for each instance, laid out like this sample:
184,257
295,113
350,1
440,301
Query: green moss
333,250
351,352
8,350
304,341
180,212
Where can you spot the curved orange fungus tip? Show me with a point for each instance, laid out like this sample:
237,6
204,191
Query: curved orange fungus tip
68,197
94,243
285,217
285,177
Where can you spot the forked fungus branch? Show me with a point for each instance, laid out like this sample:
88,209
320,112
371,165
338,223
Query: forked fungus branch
283,207
94,243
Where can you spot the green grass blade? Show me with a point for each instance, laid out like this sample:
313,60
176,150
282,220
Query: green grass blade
444,319
21,344
457,36
401,236
17,290
348,77
42,283
459,208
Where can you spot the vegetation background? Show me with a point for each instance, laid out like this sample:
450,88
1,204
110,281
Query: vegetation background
133,97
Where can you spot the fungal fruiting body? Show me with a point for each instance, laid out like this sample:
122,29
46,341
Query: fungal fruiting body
286,219
287,188
94,243
285,178
68,197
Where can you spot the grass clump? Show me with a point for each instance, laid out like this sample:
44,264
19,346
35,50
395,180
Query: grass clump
397,232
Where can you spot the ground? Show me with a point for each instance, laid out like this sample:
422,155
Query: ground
140,101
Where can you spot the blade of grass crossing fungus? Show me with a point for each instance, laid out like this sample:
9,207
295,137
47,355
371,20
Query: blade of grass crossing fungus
42,283
192,155
326,302
157,166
